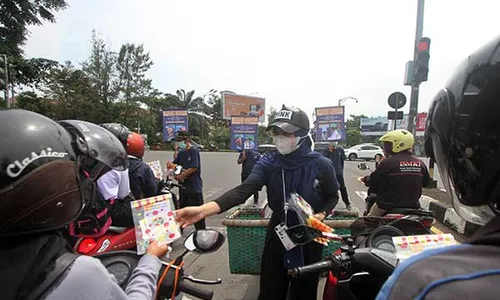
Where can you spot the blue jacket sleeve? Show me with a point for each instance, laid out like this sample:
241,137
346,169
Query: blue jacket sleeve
329,184
238,195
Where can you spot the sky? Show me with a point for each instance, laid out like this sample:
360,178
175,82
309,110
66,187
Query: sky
302,53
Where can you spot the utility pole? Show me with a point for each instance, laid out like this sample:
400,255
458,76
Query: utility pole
412,117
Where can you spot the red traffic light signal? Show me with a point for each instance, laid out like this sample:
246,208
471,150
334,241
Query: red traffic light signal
423,44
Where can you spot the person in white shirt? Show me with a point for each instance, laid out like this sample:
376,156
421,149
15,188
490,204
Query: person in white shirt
115,185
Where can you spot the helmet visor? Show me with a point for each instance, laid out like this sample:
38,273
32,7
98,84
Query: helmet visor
98,143
475,214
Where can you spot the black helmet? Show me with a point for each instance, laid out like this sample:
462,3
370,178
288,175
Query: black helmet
41,176
290,119
119,130
96,143
463,137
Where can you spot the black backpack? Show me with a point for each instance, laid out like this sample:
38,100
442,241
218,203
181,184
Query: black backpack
95,218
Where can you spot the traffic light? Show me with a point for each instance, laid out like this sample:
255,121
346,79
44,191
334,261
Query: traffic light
421,65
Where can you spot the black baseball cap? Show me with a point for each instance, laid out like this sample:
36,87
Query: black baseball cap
290,119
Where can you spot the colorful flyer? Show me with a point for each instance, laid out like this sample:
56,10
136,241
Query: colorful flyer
157,169
154,221
407,246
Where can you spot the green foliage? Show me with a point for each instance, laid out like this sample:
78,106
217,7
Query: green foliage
196,107
16,16
220,136
270,115
264,136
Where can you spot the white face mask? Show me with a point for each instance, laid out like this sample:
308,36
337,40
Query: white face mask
286,145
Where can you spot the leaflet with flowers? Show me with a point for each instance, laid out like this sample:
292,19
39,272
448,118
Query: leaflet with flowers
156,167
407,246
154,221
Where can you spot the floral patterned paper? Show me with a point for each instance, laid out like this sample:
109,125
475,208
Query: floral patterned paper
154,220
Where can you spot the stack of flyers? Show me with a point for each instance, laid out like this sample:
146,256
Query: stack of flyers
407,246
154,221
156,167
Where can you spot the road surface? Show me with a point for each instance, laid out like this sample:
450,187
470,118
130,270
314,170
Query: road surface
221,173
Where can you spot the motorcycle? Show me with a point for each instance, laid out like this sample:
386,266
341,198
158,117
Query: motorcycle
425,217
122,238
354,272
173,280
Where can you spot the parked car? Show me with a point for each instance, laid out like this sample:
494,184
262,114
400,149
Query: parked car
364,151
264,148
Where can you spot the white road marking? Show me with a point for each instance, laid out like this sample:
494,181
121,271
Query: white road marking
362,194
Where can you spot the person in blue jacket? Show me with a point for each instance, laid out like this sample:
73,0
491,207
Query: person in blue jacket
143,182
292,168
337,156
463,137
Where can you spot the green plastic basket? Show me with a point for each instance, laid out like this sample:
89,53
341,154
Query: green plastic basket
246,232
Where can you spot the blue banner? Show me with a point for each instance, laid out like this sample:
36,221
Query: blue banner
244,132
174,120
330,124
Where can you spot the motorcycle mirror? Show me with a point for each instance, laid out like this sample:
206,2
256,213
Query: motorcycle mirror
204,241
302,234
178,170
362,166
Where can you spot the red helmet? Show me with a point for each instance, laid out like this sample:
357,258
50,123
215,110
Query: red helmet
135,145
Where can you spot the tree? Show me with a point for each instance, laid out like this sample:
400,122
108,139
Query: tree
101,69
16,16
214,110
133,87
264,137
196,107
30,101
271,114
72,95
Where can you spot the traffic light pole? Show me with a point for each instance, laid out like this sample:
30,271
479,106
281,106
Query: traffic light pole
415,86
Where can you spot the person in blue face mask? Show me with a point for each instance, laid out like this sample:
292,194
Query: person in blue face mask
189,158
292,168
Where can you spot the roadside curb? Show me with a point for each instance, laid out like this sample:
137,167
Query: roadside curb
445,214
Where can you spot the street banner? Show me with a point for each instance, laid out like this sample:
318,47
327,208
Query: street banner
244,132
400,124
174,120
330,124
421,121
374,126
240,105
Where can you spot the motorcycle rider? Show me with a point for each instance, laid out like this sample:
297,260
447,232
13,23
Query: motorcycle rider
462,137
115,185
399,178
42,186
142,179
293,167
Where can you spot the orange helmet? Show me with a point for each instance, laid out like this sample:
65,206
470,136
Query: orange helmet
135,145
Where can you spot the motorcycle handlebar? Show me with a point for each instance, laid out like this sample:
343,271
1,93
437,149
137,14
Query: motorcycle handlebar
318,267
194,291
